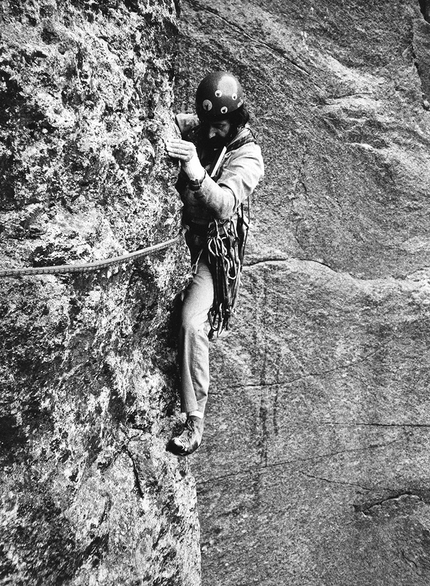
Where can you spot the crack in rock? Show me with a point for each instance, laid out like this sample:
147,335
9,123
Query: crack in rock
137,483
329,481
412,562
371,424
425,9
316,459
323,373
273,48
368,509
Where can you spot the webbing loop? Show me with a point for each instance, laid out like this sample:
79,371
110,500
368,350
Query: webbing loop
87,267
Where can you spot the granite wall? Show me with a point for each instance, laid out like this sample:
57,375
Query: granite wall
315,465
89,495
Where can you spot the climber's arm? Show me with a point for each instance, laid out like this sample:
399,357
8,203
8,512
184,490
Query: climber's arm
236,183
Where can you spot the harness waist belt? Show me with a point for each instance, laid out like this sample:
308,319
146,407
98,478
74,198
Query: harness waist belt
199,229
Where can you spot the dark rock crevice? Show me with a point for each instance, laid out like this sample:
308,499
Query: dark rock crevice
339,482
425,9
421,49
399,497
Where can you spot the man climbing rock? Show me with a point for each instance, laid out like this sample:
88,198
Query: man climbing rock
221,165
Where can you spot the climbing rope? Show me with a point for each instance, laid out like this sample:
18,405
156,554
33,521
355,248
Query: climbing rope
87,267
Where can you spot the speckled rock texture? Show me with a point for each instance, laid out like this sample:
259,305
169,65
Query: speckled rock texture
314,469
89,496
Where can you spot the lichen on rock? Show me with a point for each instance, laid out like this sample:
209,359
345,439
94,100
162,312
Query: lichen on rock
88,377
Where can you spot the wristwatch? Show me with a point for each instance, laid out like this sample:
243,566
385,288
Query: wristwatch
195,184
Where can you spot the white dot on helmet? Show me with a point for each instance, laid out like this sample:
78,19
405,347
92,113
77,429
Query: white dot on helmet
207,105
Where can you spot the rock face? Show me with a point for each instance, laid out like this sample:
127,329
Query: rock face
314,468
88,377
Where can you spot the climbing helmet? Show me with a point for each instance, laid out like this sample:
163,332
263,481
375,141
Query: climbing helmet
217,95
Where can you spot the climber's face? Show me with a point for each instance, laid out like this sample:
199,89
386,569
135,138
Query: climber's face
219,129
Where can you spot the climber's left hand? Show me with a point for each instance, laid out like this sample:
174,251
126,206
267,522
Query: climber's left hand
186,152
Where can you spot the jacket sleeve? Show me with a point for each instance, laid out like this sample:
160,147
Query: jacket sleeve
241,172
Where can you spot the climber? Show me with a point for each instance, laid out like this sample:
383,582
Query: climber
221,165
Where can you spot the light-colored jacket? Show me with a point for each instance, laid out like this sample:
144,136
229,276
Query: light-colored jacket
239,174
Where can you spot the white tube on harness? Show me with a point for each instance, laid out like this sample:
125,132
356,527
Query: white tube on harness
219,162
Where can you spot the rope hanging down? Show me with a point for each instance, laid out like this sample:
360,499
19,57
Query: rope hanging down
86,267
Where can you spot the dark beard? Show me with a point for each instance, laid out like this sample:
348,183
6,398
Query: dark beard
212,150
217,142
209,149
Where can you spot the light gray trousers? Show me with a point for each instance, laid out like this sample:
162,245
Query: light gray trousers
193,340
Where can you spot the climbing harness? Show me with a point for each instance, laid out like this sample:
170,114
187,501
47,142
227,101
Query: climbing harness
86,267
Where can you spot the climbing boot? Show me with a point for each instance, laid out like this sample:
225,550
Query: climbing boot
189,440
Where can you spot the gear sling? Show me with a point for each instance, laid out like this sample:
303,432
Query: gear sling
225,245
225,248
